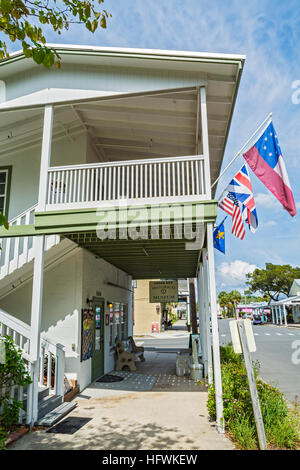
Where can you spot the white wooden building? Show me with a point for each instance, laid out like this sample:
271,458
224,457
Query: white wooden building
279,308
113,136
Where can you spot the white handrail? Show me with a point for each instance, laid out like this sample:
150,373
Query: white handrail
15,324
18,251
125,163
14,219
153,180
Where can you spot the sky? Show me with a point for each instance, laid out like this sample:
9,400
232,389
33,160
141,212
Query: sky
268,33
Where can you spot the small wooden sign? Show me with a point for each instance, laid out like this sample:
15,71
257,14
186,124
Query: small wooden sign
163,291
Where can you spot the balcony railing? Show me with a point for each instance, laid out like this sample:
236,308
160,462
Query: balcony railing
138,181
15,252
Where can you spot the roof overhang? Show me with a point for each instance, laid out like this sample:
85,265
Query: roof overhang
133,57
220,73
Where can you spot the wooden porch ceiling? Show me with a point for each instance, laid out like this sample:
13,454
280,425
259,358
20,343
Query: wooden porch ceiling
165,124
143,259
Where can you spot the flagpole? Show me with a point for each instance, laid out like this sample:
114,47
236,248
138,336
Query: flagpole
243,148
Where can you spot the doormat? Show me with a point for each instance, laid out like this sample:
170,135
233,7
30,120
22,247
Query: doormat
69,425
108,378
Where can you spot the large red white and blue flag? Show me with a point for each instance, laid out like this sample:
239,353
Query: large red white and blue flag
266,161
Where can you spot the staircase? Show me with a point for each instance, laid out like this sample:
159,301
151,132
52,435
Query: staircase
17,251
16,267
51,408
51,405
17,254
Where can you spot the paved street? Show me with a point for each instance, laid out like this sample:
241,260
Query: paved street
274,352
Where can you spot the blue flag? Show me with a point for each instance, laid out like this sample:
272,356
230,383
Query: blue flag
219,237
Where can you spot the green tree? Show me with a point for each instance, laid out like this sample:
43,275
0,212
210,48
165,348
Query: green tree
229,300
235,299
273,280
27,21
223,299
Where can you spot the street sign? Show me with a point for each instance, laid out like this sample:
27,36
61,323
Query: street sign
243,343
235,337
163,291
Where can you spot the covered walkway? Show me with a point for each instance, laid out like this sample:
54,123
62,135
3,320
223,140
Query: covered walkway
150,409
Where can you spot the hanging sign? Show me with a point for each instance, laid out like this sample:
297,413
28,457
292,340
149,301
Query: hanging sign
163,291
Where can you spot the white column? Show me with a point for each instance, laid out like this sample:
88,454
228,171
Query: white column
211,269
206,317
280,313
215,331
276,314
205,142
38,270
273,317
201,316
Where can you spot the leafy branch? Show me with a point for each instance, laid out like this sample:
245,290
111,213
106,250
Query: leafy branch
25,21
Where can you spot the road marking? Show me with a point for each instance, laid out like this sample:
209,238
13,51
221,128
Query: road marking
291,334
279,334
267,334
256,334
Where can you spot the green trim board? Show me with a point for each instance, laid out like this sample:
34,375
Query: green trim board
115,218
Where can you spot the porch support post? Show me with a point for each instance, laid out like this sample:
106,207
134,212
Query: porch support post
38,270
215,330
205,143
206,318
273,318
211,270
280,314
276,314
201,316
188,307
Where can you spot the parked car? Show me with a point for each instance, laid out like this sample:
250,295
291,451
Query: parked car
219,316
257,320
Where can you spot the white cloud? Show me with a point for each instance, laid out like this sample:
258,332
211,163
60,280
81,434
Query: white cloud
270,223
267,200
233,274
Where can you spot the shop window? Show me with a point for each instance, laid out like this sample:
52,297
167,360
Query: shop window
117,322
123,321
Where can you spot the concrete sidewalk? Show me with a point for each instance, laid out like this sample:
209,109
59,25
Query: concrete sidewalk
151,409
133,421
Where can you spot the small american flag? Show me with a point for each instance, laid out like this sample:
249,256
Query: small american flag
230,204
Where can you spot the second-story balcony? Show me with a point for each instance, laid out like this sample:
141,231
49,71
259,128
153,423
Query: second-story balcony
175,179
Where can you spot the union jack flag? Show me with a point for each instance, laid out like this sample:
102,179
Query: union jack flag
230,204
240,186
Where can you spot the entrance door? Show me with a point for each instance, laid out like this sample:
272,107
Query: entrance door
98,354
